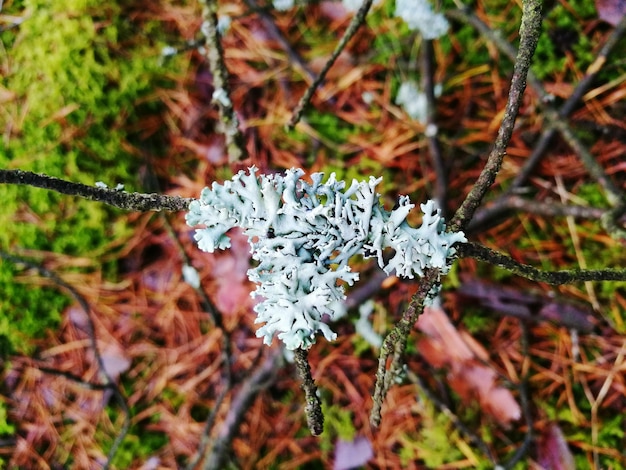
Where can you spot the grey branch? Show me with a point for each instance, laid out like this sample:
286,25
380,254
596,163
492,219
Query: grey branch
128,201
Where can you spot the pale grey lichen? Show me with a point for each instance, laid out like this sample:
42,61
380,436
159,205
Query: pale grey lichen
283,5
419,15
302,235
191,276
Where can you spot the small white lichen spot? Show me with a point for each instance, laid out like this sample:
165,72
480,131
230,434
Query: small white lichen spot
363,325
223,24
119,187
283,5
205,28
191,276
221,97
302,236
101,185
431,130
168,51
419,16
368,97
354,5
413,101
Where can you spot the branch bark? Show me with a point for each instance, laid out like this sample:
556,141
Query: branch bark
530,30
121,199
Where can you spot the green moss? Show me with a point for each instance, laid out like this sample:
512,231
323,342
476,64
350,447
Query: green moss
6,429
476,320
82,74
138,446
434,443
26,311
337,425
562,32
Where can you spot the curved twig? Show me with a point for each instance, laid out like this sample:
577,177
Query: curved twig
566,276
259,380
434,149
542,145
394,344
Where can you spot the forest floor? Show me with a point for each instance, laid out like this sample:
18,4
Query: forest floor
504,371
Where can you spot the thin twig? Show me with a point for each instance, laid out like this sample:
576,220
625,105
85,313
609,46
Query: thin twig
91,333
548,209
530,30
568,107
207,305
522,388
456,421
555,117
566,276
313,407
275,33
394,344
229,123
261,378
205,438
434,149
121,199
353,27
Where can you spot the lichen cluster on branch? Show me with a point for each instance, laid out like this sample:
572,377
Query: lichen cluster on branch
303,234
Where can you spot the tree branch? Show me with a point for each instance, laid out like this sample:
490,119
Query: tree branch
121,199
353,27
566,276
394,344
313,407
235,142
530,30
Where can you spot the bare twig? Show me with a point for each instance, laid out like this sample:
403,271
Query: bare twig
522,388
272,29
206,302
205,439
566,276
258,381
557,118
547,209
313,407
235,142
530,30
121,199
353,27
394,344
428,84
568,107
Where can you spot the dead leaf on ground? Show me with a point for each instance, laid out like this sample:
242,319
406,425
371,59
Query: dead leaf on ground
611,11
552,450
471,379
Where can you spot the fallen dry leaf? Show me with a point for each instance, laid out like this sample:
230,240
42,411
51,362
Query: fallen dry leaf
352,454
446,347
611,11
552,450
